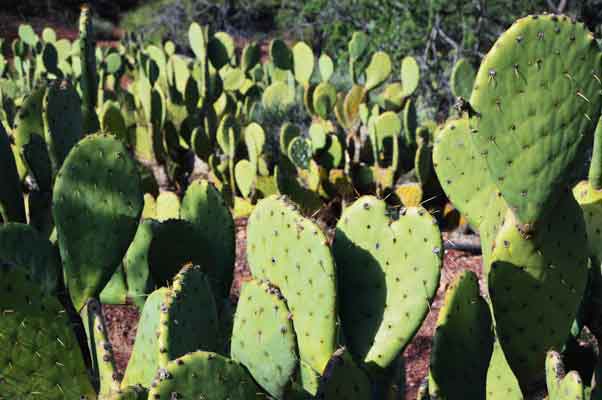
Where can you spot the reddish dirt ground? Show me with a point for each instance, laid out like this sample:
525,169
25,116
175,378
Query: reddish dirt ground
122,320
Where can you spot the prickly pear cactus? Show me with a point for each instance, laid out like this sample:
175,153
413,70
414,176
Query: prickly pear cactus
96,195
188,320
562,385
292,253
88,76
343,379
205,208
35,330
263,339
501,382
380,264
136,264
536,96
101,351
63,124
536,283
135,392
299,152
462,171
462,78
463,333
203,375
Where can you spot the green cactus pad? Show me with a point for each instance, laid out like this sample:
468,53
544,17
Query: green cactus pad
462,78
277,96
463,333
561,385
134,392
96,195
203,375
101,350
324,98
300,152
342,379
63,123
292,253
410,75
463,172
537,96
112,121
251,56
144,361
410,123
303,60
281,55
381,264
263,338
89,77
197,37
326,67
423,163
536,283
41,357
12,207
245,174
590,201
136,264
116,291
188,319
204,207
501,382
168,206
378,70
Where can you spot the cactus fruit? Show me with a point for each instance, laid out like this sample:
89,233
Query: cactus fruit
532,145
63,124
380,264
35,330
342,379
463,172
12,207
145,357
96,194
101,351
263,338
463,333
562,385
188,320
304,273
204,207
501,382
462,78
536,283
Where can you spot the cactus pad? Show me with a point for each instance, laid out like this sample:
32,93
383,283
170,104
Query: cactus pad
536,283
300,152
562,385
292,253
41,355
203,375
463,333
501,382
537,94
12,208
263,337
96,195
462,78
342,379
381,264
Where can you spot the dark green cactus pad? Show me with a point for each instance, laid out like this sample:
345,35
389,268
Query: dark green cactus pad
63,123
188,319
462,78
204,207
263,339
116,291
463,172
464,332
88,77
423,163
112,121
101,351
40,355
288,132
536,283
300,152
292,253
12,208
145,355
136,264
537,94
35,155
562,385
410,123
501,382
388,274
96,195
342,379
281,55
203,375
175,242
22,245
